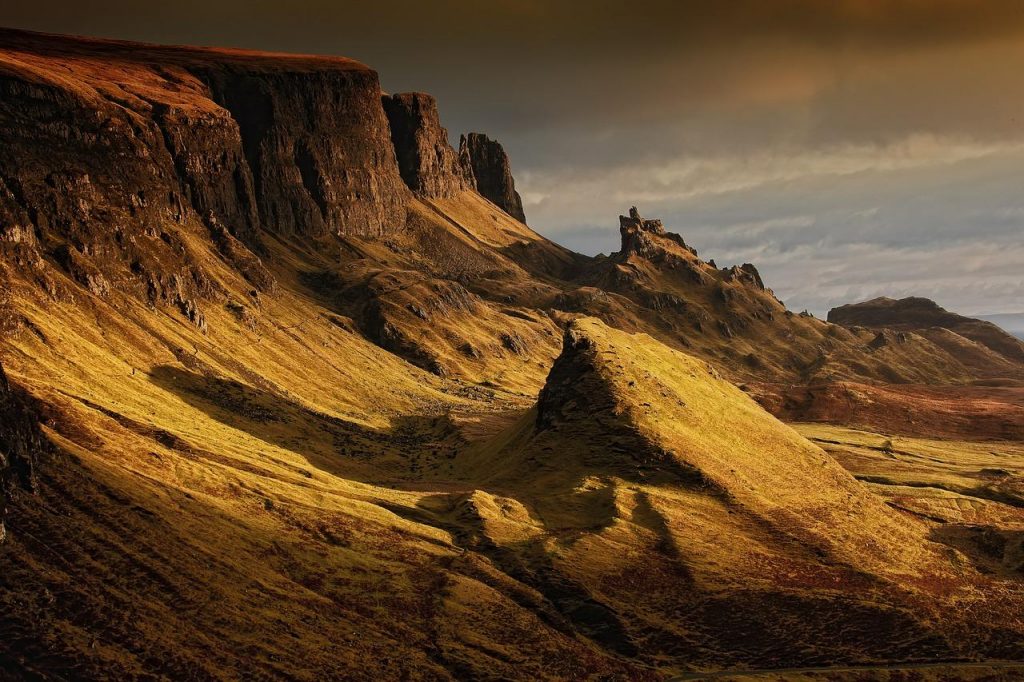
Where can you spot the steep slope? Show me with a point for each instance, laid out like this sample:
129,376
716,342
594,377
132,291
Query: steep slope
429,166
21,443
998,349
142,132
485,160
220,506
627,406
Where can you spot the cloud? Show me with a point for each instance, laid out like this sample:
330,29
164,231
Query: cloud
926,216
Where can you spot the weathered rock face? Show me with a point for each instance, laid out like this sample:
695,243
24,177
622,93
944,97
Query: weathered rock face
114,152
428,164
746,274
20,442
318,146
636,233
486,160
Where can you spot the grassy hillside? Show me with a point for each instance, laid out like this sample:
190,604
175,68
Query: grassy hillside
306,422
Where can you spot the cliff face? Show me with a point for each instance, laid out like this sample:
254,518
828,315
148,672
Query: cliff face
488,163
318,147
429,165
115,151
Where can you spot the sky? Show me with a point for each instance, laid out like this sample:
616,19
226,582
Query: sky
848,148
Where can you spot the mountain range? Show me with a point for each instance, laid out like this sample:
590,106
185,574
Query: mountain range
292,390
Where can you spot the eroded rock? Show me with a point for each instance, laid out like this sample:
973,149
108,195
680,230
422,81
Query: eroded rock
485,159
428,164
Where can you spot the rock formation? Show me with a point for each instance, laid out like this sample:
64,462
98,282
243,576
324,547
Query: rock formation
318,147
131,149
745,273
486,160
428,164
300,147
636,231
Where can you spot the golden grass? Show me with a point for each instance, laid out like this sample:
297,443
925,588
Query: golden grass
283,496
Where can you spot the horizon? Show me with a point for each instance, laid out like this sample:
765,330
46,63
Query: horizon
819,143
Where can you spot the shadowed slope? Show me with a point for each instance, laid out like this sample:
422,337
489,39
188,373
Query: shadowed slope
625,405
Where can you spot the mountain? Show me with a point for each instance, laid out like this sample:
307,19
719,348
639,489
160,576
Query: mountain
293,391
981,343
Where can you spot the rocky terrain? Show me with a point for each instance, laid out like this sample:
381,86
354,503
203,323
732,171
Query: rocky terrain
486,162
292,391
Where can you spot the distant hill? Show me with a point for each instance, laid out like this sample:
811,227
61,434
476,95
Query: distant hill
976,343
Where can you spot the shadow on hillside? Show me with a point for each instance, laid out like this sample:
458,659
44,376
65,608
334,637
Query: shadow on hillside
330,443
994,551
746,623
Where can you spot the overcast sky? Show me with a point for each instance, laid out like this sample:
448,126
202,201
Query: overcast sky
848,148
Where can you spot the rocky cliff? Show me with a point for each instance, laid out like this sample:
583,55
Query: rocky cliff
116,156
486,160
428,164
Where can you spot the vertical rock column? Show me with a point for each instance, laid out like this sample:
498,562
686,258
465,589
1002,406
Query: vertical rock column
488,163
318,147
428,164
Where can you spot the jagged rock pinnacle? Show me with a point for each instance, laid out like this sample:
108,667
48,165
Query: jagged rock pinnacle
485,159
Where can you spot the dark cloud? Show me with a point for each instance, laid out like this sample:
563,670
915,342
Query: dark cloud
807,134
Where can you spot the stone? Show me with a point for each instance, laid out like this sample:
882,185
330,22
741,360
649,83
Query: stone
486,161
428,164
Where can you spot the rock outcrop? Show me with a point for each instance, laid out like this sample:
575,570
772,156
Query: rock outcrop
636,233
746,274
487,161
118,154
298,145
628,404
428,164
20,442
318,146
